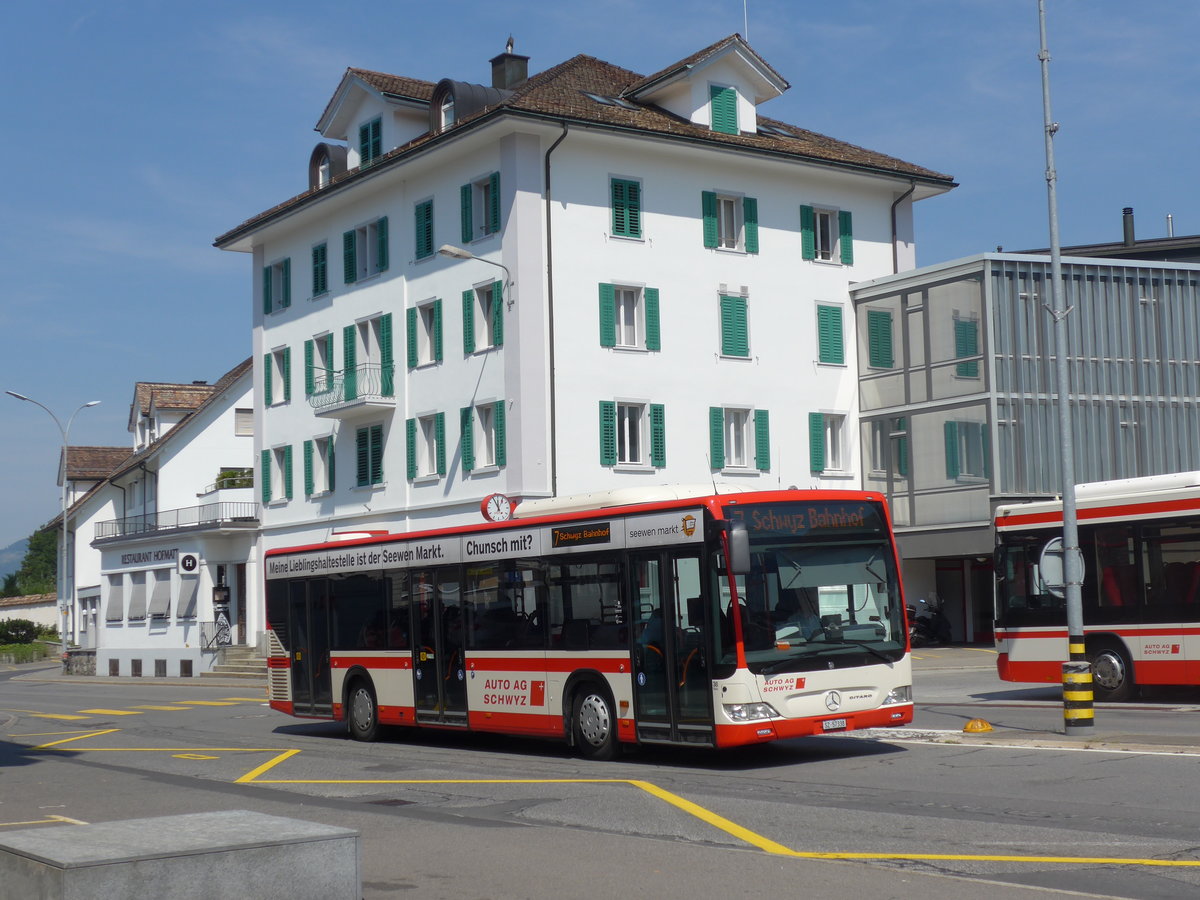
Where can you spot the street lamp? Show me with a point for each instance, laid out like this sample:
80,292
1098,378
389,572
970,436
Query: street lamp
460,253
62,555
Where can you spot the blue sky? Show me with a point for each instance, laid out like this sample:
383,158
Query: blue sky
141,129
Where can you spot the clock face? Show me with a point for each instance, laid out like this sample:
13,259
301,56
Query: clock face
496,508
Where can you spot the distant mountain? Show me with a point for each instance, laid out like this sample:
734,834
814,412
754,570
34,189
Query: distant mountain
11,556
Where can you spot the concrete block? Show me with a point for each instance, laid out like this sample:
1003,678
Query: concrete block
198,856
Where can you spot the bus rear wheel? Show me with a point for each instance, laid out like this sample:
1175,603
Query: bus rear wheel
362,711
1112,672
593,724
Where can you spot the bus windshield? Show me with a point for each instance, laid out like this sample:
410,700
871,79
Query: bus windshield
823,590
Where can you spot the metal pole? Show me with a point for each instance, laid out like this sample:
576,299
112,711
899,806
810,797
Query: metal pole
1078,709
64,433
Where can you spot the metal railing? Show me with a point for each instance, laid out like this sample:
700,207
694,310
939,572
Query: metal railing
369,381
214,635
209,514
231,478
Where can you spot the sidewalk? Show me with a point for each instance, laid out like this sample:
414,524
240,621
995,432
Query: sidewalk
53,673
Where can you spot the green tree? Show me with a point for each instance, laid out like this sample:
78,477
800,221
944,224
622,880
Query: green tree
38,568
10,586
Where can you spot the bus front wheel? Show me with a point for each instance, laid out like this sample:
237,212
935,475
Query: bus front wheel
362,712
593,723
1112,672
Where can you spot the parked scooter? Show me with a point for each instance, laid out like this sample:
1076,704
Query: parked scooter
928,624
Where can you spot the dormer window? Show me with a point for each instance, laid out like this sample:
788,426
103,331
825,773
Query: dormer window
723,106
370,142
323,171
447,113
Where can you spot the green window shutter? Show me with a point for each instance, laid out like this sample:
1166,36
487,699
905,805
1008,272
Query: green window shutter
816,442
268,366
498,424
376,139
808,233
424,229
287,374
376,442
362,454
265,476
410,316
286,299
493,210
879,339
266,289
381,244
830,347
735,337
952,462
846,237
349,362
287,471
724,109
626,208
762,439
466,195
329,361
658,435
468,311
349,257
716,437
608,316
467,437
750,218
966,343
387,365
498,313
309,380
330,468
708,208
320,279
439,435
308,468
653,334
410,447
364,144
437,330
608,433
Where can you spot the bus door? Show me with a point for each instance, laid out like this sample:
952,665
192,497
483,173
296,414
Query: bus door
308,613
439,671
672,688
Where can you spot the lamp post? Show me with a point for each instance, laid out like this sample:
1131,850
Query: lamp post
62,554
460,253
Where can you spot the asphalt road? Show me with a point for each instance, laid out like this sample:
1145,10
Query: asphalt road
930,812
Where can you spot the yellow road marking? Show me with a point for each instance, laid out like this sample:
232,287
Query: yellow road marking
165,708
704,815
62,716
206,702
49,820
194,756
110,712
981,650
78,737
262,699
254,773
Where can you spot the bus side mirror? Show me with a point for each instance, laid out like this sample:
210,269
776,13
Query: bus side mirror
739,549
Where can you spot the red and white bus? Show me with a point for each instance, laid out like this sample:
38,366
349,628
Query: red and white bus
1140,541
605,621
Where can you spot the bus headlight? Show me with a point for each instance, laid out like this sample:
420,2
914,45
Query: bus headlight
745,712
902,694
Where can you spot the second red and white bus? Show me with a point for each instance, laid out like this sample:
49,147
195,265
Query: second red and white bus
1140,541
708,620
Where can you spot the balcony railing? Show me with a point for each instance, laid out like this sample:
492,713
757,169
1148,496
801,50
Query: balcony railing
367,384
210,515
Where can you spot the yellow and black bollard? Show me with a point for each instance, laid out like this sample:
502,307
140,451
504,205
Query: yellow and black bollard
1078,708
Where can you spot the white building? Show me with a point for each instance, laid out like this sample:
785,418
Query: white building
651,287
172,532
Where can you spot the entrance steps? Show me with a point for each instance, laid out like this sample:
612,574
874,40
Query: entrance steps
239,662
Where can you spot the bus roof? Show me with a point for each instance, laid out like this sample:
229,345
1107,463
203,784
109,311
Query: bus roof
1152,496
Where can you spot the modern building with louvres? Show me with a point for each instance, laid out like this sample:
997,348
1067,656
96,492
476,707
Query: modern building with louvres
577,280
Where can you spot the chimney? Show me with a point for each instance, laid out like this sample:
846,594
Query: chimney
509,70
1127,223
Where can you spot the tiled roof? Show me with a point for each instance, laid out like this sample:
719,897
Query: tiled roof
170,396
696,57
559,94
87,463
28,600
396,85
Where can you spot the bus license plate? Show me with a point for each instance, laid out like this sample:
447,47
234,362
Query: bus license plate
834,725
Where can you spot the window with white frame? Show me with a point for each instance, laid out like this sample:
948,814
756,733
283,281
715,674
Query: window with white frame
480,202
827,447
826,235
277,285
281,472
632,433
446,113
425,334
429,452
730,221
277,376
739,438
365,250
374,357
483,438
483,317
629,317
968,457
318,466
889,447
243,422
